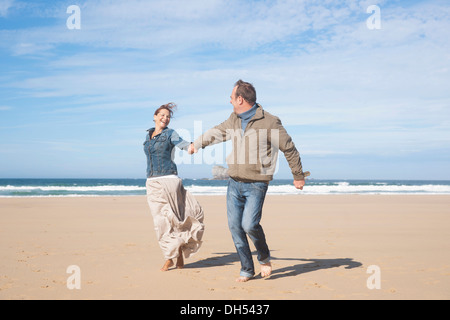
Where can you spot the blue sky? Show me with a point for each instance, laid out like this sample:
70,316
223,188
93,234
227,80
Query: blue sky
358,102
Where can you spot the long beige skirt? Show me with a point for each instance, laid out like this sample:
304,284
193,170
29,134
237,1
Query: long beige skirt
177,216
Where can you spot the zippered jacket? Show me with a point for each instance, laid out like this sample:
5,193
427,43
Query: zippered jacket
255,150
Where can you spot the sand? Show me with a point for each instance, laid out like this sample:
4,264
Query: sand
322,248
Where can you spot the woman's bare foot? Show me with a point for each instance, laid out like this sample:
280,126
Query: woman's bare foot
167,265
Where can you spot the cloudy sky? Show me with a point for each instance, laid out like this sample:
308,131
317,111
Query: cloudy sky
364,95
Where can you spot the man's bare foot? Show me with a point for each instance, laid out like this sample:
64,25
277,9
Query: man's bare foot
167,265
266,270
242,279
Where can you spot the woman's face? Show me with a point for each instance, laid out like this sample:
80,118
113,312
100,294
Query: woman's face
162,119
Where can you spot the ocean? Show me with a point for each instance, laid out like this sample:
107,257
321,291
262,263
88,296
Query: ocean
136,187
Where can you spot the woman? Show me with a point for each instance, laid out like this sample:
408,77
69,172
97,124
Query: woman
177,216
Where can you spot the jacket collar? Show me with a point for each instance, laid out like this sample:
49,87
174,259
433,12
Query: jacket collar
153,129
150,132
258,115
259,112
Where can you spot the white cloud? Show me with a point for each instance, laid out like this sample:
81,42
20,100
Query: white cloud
294,26
184,24
314,64
5,5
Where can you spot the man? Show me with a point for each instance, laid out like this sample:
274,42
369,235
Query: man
256,136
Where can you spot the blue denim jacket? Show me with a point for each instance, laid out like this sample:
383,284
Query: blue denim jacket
160,152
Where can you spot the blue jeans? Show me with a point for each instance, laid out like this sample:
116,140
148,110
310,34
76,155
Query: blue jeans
244,209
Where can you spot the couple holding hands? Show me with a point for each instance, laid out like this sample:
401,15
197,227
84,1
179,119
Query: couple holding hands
177,215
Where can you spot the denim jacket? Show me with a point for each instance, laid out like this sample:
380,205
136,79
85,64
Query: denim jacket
160,152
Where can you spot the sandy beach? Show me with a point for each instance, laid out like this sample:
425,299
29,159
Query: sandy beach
322,248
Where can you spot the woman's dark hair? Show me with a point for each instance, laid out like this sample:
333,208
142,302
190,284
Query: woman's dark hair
169,107
246,91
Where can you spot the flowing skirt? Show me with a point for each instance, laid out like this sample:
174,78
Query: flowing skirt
177,217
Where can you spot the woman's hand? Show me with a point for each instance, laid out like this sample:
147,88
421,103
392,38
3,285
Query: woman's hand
191,149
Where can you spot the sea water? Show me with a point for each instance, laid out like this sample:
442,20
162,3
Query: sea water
136,187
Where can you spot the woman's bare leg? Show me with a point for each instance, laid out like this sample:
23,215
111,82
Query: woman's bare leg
167,265
180,260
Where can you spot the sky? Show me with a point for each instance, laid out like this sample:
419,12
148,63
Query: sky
362,87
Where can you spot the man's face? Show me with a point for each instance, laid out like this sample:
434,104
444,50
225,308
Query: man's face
235,101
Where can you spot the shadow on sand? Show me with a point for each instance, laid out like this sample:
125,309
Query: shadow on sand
306,265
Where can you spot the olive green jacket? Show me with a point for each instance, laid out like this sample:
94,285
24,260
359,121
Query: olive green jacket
255,151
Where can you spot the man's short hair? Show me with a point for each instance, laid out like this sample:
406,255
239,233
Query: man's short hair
246,91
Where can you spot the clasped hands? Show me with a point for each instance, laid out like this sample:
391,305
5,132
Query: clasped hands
192,149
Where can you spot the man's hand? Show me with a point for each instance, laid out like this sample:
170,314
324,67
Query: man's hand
299,184
191,149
